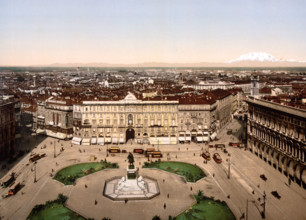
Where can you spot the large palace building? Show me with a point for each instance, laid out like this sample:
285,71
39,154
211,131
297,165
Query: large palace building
276,133
155,121
54,118
8,126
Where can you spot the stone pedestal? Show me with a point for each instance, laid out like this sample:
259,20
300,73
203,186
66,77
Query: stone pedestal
131,173
131,186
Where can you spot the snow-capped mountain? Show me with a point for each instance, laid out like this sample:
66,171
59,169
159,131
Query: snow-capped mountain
255,56
261,59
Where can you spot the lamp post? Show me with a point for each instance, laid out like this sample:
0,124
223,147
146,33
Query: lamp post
54,149
229,168
35,172
263,214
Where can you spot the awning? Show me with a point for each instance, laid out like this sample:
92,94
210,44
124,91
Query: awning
173,140
93,140
163,140
86,141
40,117
121,140
108,140
101,140
40,131
76,140
181,138
115,140
199,139
205,138
213,136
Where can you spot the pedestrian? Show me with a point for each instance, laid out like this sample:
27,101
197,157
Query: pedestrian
168,195
85,186
164,205
191,188
126,200
96,202
163,180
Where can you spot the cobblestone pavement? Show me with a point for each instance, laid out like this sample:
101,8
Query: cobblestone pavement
244,183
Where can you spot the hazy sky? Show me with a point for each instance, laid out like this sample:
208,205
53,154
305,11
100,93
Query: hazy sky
35,32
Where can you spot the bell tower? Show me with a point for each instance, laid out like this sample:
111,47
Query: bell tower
255,86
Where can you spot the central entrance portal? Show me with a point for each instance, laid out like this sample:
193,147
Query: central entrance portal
130,134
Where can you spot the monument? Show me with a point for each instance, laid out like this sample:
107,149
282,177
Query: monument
131,186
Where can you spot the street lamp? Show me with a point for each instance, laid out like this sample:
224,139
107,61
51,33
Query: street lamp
229,168
106,149
263,214
35,172
54,149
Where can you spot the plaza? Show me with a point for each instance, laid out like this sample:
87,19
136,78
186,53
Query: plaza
242,191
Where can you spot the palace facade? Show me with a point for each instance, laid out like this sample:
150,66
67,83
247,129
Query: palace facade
162,120
54,118
106,122
276,134
8,125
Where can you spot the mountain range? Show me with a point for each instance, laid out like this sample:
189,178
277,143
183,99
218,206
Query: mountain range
253,59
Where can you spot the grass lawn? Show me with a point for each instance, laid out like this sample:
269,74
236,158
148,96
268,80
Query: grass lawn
191,172
68,175
207,209
55,211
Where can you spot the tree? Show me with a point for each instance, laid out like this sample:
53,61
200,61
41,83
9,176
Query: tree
200,193
156,217
199,196
131,159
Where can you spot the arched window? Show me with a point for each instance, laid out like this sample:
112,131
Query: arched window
130,119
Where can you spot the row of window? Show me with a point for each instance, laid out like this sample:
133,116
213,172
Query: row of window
122,130
121,122
122,108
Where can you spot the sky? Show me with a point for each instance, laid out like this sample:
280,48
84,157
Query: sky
42,32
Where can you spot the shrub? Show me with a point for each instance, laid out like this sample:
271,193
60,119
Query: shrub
37,208
156,217
61,199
